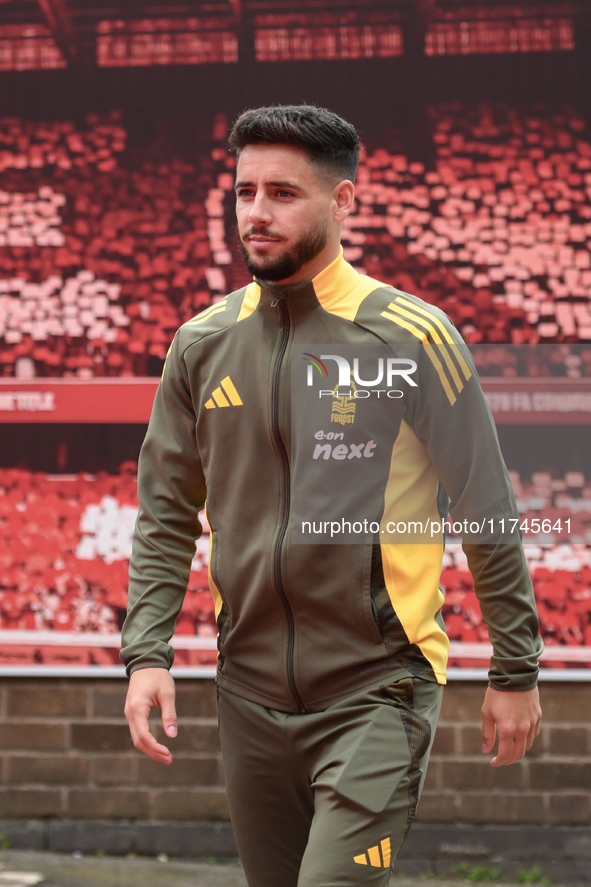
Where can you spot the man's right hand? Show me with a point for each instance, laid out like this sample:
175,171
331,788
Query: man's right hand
149,687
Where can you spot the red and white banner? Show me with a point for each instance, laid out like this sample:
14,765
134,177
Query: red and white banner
77,400
514,401
539,401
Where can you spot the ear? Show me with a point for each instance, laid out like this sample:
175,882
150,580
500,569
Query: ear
344,198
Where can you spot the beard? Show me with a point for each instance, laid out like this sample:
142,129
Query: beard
285,266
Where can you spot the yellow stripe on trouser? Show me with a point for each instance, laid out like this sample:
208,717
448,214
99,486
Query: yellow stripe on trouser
374,856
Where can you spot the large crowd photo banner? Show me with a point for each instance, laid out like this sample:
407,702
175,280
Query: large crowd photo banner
114,232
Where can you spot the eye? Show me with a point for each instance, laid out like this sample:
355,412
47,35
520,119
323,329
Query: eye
282,193
244,193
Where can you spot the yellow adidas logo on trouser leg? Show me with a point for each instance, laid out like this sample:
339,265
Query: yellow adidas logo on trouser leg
379,856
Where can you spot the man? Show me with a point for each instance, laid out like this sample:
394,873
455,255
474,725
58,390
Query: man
332,656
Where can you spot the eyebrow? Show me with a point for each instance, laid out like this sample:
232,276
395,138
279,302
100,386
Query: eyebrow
277,184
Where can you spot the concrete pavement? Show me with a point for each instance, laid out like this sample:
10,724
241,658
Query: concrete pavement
27,868
62,870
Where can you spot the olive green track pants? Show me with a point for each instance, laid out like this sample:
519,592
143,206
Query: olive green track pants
325,799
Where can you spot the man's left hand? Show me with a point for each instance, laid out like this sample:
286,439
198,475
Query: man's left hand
515,717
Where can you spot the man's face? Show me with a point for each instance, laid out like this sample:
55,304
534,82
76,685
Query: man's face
287,214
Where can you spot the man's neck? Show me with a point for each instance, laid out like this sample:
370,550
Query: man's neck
311,269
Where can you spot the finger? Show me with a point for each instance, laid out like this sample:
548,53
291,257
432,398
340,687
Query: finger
533,732
142,738
504,753
506,750
512,747
155,750
488,733
169,719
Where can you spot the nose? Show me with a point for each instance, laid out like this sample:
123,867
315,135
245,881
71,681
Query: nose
260,210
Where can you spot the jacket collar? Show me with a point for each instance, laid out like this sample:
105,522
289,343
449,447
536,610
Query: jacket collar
331,285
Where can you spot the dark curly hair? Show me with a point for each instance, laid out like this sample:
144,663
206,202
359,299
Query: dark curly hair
330,142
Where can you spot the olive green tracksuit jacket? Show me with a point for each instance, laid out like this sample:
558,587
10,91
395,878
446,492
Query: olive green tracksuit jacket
301,623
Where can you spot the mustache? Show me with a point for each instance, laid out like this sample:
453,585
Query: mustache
262,232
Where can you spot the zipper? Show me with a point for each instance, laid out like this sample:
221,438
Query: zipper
285,519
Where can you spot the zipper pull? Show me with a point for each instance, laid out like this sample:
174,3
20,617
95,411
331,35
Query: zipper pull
274,303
